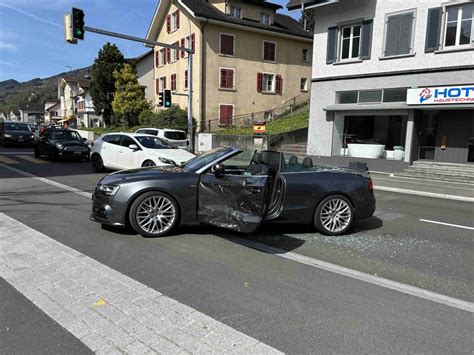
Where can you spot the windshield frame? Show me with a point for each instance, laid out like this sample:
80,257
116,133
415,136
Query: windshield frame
78,136
221,154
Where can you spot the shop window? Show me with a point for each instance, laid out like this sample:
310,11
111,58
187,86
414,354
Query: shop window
395,95
399,34
368,96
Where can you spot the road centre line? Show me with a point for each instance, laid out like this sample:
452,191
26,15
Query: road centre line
376,280
423,193
49,182
446,224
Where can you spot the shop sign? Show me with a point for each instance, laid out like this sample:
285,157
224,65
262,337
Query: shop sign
441,95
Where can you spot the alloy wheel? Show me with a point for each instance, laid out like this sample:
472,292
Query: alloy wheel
156,214
97,163
148,163
335,215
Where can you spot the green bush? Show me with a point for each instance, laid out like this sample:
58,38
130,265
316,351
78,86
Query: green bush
146,117
174,117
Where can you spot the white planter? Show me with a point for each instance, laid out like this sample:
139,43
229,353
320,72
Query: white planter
371,151
398,154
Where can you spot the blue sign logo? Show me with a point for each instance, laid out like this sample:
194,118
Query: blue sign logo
425,94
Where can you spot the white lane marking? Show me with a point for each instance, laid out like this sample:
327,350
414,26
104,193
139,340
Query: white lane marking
397,286
424,183
446,224
104,308
425,194
49,182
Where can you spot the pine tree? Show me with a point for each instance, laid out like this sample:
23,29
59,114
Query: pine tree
129,98
102,86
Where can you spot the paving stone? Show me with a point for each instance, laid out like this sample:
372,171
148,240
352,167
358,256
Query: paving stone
187,341
95,342
166,346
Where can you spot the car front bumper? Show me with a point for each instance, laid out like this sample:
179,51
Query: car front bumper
19,141
104,213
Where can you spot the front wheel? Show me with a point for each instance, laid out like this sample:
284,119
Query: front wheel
148,163
154,214
97,163
334,215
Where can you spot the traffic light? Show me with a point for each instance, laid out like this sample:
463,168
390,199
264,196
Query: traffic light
68,37
160,97
77,23
167,98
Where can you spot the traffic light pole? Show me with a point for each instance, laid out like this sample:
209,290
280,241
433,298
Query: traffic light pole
161,44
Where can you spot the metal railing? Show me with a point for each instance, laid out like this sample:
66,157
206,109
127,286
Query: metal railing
281,111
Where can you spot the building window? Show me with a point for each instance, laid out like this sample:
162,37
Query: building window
371,96
174,21
227,44
304,84
394,95
459,29
226,114
399,34
268,82
235,12
162,84
226,78
173,82
264,18
161,57
186,79
350,42
305,55
175,53
269,51
268,115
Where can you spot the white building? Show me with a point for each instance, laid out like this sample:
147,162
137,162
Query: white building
393,73
146,74
52,111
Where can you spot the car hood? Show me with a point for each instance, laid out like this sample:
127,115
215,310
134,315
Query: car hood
140,174
178,155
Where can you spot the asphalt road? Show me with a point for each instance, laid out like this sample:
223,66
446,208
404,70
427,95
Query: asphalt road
293,307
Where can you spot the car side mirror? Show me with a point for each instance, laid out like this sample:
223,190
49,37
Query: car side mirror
133,147
218,169
84,139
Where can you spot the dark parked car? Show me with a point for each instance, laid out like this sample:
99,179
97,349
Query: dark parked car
15,133
214,189
61,143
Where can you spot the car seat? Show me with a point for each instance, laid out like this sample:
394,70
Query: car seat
293,160
307,162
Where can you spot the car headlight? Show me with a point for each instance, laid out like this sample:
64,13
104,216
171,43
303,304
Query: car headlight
59,145
32,136
7,135
108,190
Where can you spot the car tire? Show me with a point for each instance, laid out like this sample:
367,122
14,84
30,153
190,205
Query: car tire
148,163
37,152
154,214
52,155
334,215
97,163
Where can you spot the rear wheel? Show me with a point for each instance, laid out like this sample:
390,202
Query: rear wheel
334,215
154,214
97,163
148,163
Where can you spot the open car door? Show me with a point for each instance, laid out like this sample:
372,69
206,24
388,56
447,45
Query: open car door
239,202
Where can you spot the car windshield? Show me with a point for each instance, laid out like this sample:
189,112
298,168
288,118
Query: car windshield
153,142
198,162
65,135
17,127
175,135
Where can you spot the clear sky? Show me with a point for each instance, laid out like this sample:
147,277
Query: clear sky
32,40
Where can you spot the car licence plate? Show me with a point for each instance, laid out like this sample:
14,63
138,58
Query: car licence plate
77,152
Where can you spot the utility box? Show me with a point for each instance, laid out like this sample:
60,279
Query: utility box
259,128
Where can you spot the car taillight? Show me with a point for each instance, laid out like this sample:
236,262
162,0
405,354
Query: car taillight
370,184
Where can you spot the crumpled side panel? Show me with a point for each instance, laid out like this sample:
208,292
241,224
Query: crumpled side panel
232,202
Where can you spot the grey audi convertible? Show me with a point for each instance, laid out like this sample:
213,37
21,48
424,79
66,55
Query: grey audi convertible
219,189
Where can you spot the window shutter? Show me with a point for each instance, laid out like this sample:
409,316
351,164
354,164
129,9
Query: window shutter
392,35
227,44
259,82
157,59
168,23
279,82
168,55
433,29
222,78
182,45
406,26
331,50
230,79
177,19
157,86
164,83
192,41
366,34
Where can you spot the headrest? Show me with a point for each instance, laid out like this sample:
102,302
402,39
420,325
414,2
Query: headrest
307,162
293,160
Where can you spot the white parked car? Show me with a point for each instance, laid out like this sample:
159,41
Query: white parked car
173,136
120,151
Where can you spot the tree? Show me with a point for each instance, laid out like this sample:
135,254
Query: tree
310,15
102,86
174,117
129,98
